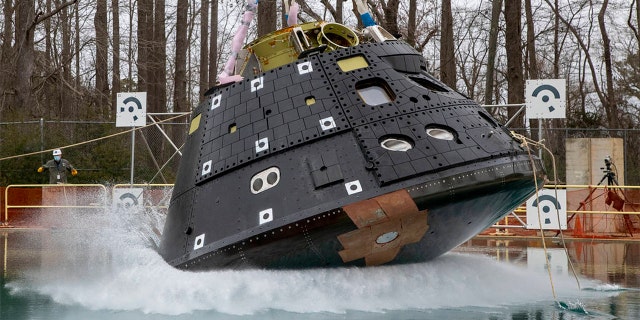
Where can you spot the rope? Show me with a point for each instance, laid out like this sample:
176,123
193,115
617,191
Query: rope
564,246
525,143
92,140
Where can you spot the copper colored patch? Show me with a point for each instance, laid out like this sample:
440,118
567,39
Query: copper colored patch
365,213
385,214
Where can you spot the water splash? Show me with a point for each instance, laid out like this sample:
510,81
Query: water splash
575,307
108,262
605,287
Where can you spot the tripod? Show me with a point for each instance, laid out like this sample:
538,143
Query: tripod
608,173
611,197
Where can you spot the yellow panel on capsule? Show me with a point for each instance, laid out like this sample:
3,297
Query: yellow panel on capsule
195,123
352,63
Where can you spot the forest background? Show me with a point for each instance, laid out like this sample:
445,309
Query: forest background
62,63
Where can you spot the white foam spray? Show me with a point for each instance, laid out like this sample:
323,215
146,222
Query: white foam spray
106,262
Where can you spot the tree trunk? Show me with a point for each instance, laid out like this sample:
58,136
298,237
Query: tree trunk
76,12
102,46
391,16
532,64
7,31
145,33
6,55
115,80
24,66
496,6
339,11
556,42
637,25
180,90
513,38
531,44
159,59
180,102
267,17
447,52
48,34
412,24
204,47
213,45
66,105
610,103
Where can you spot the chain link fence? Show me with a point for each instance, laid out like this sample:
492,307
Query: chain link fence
105,160
555,140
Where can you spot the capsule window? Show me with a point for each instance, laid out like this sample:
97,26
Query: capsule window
440,133
396,143
265,180
375,92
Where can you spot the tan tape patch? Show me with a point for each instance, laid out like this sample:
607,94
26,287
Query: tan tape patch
389,214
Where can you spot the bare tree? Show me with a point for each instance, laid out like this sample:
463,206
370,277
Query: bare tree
531,43
412,23
65,61
145,37
447,51
513,38
531,61
606,96
635,28
180,86
115,77
26,21
609,102
267,17
204,47
496,7
25,15
339,11
102,46
556,42
77,45
159,59
386,13
213,44
7,31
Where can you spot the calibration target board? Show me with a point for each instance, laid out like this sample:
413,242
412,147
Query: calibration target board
546,99
552,206
125,198
131,109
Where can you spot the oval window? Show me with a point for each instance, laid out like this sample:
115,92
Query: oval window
394,144
265,180
440,133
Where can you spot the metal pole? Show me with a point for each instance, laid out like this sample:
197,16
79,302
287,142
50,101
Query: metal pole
540,137
133,150
6,252
41,140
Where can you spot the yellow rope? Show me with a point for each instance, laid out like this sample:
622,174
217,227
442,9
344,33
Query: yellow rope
525,143
92,140
555,178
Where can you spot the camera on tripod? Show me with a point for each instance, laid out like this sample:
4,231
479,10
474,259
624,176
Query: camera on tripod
607,163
